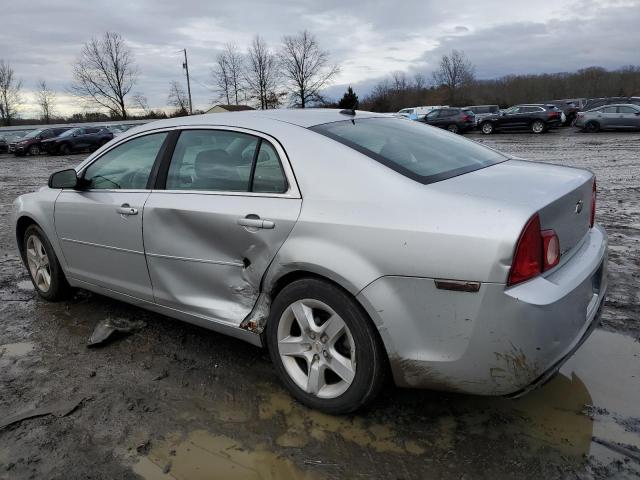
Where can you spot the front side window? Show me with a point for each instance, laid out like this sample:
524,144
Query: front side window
610,110
126,166
225,161
426,155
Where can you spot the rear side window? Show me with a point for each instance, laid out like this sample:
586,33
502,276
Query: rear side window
416,151
223,161
627,110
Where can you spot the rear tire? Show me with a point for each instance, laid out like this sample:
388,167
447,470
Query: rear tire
324,347
538,127
453,128
592,126
487,128
44,269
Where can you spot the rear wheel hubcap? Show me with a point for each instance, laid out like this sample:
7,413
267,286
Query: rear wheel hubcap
38,262
316,348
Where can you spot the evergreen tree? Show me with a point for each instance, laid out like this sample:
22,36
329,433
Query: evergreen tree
349,100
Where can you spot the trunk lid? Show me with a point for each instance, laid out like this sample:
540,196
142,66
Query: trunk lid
560,195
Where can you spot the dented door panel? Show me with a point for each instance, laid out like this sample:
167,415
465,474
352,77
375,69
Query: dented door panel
203,258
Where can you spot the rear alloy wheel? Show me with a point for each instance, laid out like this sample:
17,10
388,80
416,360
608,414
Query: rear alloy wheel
453,128
324,347
487,128
34,150
44,269
537,127
592,126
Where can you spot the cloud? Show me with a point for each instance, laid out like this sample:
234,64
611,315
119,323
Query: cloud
41,39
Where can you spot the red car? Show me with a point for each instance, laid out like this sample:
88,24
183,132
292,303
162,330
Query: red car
31,143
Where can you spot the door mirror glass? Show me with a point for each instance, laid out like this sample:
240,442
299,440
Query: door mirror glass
64,179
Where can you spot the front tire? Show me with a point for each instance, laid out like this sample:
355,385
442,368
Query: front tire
34,150
487,128
44,269
65,149
324,347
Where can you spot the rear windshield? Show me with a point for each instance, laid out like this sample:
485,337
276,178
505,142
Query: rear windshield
418,151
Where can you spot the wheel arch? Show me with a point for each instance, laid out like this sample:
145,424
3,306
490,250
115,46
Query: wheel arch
22,223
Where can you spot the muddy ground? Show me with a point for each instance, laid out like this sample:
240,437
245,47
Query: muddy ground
177,401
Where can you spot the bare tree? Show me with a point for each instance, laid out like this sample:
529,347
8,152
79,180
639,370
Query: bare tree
178,98
454,72
261,74
105,73
228,73
306,67
46,100
10,98
141,102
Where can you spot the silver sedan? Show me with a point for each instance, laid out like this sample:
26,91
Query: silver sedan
352,245
609,117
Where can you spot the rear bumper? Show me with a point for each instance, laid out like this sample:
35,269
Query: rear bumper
498,341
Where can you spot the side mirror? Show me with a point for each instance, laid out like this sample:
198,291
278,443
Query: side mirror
64,179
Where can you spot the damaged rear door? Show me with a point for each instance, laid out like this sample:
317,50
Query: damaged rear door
226,201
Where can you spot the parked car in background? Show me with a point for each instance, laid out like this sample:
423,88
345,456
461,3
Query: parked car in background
31,143
78,139
456,120
4,145
471,263
570,107
483,111
13,137
600,102
610,117
418,113
534,117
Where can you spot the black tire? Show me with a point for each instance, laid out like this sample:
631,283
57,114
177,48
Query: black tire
34,150
64,149
486,128
59,287
371,371
453,128
592,126
538,126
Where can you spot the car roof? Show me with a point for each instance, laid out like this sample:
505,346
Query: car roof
307,117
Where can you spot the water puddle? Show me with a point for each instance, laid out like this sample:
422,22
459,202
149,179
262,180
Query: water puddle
15,350
202,455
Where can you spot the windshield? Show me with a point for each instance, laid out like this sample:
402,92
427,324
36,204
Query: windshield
420,152
34,133
69,133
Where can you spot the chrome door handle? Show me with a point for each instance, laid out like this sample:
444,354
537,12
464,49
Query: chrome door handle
256,222
126,209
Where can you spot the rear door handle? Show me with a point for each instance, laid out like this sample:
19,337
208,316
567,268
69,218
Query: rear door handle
126,209
255,222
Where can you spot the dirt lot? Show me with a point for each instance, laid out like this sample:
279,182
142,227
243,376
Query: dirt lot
177,401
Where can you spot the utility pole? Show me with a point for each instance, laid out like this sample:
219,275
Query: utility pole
185,65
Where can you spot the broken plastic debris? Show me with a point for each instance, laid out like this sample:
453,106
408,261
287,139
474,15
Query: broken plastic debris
109,326
61,408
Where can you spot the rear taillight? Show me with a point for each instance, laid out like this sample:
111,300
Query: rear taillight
593,204
552,114
550,249
536,251
466,118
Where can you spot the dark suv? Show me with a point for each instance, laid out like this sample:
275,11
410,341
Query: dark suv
536,118
78,139
31,143
456,120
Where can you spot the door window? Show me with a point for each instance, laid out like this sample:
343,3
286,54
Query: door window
627,110
222,161
126,166
609,109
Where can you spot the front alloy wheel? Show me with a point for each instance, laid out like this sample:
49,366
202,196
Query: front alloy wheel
324,347
34,150
44,269
316,348
38,262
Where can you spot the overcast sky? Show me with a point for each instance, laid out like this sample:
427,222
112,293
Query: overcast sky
42,38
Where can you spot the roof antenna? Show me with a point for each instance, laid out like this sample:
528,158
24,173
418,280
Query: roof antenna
348,111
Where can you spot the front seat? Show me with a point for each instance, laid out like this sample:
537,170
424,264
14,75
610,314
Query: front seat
215,169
